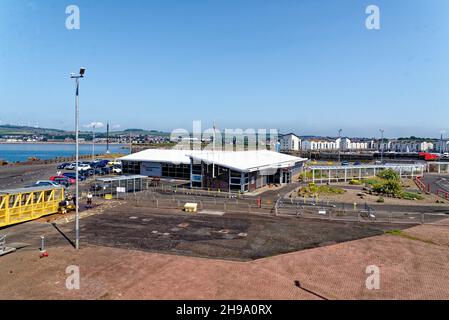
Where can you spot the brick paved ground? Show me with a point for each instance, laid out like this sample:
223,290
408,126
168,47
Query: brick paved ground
413,265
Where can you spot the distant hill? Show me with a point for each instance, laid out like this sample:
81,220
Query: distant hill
25,130
138,132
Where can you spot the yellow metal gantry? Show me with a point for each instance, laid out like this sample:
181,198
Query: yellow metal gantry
24,204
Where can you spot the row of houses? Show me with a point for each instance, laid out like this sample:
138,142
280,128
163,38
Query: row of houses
292,142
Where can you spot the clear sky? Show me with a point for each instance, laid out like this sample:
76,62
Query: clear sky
307,66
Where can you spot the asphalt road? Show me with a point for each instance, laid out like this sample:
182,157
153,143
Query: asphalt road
436,182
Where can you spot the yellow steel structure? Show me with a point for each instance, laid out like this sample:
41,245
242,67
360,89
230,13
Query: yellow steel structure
20,205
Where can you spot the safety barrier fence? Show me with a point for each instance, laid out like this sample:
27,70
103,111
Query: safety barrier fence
421,185
279,208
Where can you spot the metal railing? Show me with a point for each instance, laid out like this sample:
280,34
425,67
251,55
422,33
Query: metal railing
322,211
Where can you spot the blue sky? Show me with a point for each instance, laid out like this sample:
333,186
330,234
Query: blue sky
310,67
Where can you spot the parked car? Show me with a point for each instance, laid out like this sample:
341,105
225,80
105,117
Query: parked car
95,164
117,169
72,175
104,162
106,170
96,171
70,166
63,180
345,163
99,163
45,183
114,163
357,163
83,167
63,165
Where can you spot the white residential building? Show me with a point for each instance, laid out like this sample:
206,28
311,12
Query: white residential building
340,143
290,142
319,144
411,146
404,145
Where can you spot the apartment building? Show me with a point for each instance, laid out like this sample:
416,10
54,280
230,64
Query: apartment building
290,142
404,145
340,143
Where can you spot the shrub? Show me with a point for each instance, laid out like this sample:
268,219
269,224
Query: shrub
389,187
389,174
380,200
313,190
355,182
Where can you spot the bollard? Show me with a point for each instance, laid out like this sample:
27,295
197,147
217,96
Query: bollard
42,244
43,252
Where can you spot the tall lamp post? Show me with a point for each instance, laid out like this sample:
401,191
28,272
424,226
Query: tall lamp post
94,124
382,145
77,217
93,141
339,145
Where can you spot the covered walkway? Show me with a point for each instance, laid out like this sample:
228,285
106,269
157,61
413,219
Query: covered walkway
329,174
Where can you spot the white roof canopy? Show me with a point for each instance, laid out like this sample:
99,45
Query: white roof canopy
235,160
161,155
248,161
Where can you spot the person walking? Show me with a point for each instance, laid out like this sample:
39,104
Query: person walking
89,200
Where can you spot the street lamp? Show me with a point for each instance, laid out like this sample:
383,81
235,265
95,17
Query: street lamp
382,145
93,141
339,145
77,217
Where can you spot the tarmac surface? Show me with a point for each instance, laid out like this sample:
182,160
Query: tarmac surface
22,175
230,236
436,182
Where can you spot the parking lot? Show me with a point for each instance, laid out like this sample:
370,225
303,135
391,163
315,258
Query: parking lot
21,176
